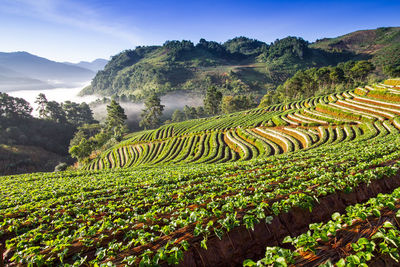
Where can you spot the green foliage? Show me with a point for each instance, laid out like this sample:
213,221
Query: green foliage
28,131
230,104
287,48
389,60
178,65
319,81
380,45
386,240
178,116
212,101
152,113
14,107
78,114
116,119
55,112
50,110
124,209
71,112
61,167
245,46
81,150
90,137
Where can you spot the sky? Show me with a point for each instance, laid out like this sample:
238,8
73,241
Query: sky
83,30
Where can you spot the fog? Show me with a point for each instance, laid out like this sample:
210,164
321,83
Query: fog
57,94
171,101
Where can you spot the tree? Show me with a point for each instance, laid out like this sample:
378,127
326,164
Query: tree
14,107
55,112
50,110
116,119
152,113
337,75
200,112
236,103
361,70
41,101
78,114
178,116
190,112
81,150
212,101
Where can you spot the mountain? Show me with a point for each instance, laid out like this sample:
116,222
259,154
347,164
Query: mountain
95,65
21,70
240,65
11,80
14,83
42,68
381,45
362,42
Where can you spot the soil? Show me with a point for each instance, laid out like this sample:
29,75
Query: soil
241,243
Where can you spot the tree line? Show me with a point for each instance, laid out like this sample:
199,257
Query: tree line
319,81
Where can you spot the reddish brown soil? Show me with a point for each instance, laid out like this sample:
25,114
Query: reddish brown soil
340,246
241,243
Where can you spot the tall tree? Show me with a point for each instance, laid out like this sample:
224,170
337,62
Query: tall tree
41,101
116,118
152,113
212,101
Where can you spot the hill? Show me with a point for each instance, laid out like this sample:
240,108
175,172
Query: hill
339,151
238,66
381,45
260,132
20,69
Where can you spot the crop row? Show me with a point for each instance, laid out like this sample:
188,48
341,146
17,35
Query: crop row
367,233
237,144
152,215
262,132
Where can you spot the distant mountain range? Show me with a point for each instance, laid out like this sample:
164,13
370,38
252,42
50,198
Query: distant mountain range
96,65
24,71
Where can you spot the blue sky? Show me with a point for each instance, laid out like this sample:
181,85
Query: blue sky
73,30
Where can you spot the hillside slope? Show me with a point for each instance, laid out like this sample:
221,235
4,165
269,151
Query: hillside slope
381,45
354,114
222,214
16,159
238,66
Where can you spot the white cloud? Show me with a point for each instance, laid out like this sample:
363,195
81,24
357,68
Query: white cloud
70,13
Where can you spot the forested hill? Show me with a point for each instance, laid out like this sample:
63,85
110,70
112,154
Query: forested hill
240,65
237,66
382,46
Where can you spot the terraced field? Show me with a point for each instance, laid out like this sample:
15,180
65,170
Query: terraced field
356,114
320,204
